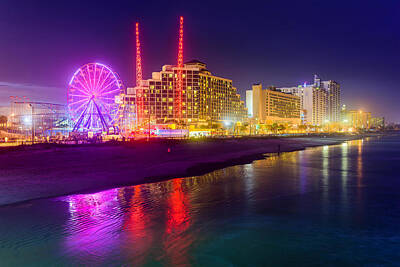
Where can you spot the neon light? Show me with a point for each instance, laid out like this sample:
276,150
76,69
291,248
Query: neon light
98,109
138,58
139,93
179,87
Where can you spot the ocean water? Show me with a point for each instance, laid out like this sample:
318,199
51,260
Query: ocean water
333,205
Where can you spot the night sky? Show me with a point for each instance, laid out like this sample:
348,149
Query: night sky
279,43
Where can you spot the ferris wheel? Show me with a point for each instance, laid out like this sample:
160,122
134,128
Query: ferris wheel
92,92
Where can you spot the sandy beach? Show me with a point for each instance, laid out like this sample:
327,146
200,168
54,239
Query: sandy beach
42,171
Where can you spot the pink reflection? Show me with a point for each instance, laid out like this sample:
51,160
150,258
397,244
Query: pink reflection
93,224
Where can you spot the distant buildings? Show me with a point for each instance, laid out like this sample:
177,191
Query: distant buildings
359,119
273,106
378,123
320,101
356,119
205,97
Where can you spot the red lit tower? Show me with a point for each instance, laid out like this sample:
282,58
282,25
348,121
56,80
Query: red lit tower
138,58
179,85
139,90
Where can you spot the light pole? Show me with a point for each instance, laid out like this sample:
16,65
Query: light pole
32,125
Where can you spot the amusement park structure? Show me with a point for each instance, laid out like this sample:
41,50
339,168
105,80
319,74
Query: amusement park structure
92,94
179,87
38,118
139,91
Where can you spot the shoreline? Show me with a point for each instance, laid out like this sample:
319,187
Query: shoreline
52,171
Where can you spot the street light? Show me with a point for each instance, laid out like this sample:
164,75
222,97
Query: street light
32,125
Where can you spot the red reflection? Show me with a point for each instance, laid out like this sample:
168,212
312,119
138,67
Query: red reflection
137,228
178,218
177,240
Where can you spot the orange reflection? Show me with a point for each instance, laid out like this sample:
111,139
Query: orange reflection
359,161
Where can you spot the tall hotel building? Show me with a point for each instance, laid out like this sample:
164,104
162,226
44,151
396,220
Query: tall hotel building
205,97
332,89
272,106
320,101
305,92
319,97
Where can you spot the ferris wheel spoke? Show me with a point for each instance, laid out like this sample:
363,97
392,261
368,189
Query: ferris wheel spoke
81,106
98,80
87,87
79,101
104,80
107,86
112,91
94,77
83,86
80,90
84,96
90,79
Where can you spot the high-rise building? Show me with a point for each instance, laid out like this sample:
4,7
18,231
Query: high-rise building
332,89
358,119
204,97
305,92
274,106
320,101
319,106
249,103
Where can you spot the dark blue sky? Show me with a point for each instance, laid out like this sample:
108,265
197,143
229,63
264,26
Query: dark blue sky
274,42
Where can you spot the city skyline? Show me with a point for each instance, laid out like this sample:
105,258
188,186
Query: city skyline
39,65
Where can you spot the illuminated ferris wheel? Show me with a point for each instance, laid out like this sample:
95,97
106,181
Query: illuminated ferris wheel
92,93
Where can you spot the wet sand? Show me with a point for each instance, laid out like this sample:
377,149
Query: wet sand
42,171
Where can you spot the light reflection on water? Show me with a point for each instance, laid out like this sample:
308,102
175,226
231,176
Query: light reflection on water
315,206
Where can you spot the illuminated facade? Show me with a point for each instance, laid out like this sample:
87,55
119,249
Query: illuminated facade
204,97
249,103
273,106
48,118
305,92
320,101
319,106
378,123
332,89
358,119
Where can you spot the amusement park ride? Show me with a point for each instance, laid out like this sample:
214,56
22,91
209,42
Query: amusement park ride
95,96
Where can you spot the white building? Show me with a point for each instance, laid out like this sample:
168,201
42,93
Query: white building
249,102
305,92
320,101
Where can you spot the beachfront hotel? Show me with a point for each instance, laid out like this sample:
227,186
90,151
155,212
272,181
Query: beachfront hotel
273,106
320,101
205,97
